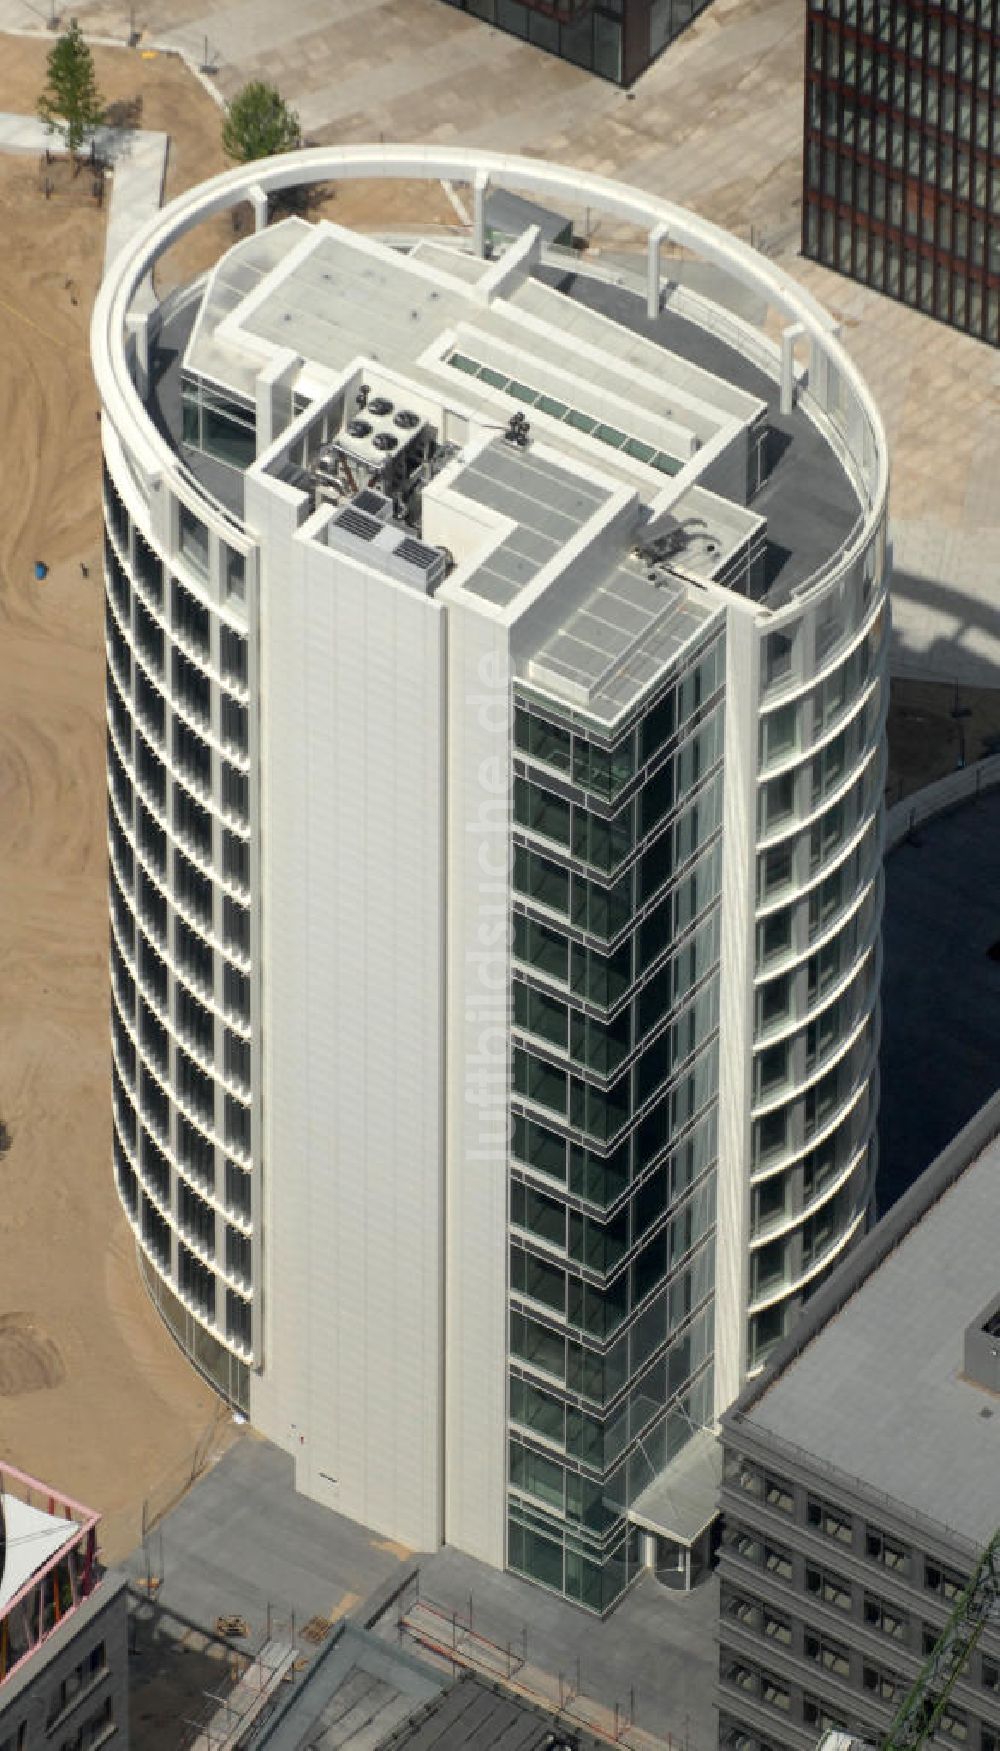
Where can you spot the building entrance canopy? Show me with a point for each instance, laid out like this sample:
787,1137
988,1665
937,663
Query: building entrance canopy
683,1501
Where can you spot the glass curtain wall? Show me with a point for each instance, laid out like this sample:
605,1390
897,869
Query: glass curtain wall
614,38
902,152
616,873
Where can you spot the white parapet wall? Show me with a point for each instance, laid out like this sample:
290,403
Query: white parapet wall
945,794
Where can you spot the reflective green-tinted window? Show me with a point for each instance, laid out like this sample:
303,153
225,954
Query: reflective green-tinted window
656,867
651,1200
657,798
598,1312
603,911
603,770
600,1046
193,539
540,1014
537,1410
598,1178
539,1148
603,843
585,1437
585,1504
541,880
779,733
529,1553
539,1476
548,742
539,946
537,1278
598,1245
541,812
538,1213
585,1372
190,417
539,1081
227,439
538,1344
602,979
650,1267
600,1112
642,452
658,726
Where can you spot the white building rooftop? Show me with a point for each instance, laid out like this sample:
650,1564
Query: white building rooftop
632,441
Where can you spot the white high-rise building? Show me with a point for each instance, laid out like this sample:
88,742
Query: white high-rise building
496,662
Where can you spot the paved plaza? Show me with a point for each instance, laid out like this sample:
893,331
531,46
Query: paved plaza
242,1544
716,124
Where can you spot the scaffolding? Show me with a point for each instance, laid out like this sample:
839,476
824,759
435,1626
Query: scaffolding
450,1638
232,1716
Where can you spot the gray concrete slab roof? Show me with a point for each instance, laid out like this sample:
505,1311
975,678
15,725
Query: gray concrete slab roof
878,1393
355,1693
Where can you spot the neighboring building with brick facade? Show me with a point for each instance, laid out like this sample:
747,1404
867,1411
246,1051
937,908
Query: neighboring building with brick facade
902,152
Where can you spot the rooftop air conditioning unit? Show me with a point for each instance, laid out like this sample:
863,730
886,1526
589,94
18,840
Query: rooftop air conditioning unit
373,504
430,562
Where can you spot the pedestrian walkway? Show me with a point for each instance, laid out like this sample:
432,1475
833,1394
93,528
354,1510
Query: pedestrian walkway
138,166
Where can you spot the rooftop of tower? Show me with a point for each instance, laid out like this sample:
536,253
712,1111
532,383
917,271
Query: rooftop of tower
731,453
641,459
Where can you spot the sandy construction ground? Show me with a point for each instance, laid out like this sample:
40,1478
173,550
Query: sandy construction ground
94,1397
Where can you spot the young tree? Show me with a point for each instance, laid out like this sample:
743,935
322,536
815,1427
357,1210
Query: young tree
258,123
71,104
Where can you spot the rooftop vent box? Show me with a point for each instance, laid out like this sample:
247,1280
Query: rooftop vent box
365,525
373,504
982,1348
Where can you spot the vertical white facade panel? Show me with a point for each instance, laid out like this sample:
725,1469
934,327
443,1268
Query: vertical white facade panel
736,968
479,741
353,899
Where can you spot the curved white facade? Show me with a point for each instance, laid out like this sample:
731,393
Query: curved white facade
235,1137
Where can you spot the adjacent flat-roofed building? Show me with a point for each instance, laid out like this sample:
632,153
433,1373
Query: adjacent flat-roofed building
616,38
361,1691
495,747
63,1625
902,152
860,1481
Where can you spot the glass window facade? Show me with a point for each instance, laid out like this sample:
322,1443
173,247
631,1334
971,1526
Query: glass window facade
168,786
222,425
614,1000
902,153
845,1607
616,39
